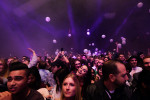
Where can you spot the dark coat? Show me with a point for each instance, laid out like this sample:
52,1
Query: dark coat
98,90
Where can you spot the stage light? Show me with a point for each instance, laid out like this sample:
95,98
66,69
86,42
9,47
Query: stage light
47,19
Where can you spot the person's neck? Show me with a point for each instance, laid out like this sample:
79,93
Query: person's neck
22,95
109,85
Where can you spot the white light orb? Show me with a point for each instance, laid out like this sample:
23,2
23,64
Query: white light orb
123,42
103,36
89,44
96,49
111,40
88,32
69,35
119,45
54,41
140,4
85,50
47,19
93,44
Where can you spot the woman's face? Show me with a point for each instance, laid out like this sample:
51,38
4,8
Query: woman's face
69,87
82,71
1,66
77,64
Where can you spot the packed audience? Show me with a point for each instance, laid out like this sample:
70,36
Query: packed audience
110,76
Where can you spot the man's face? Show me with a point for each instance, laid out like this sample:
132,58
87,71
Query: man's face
133,62
17,81
121,77
100,63
121,57
146,63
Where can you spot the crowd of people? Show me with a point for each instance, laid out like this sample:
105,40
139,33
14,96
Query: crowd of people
110,76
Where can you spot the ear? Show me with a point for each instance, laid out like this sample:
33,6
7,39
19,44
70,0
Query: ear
112,77
29,79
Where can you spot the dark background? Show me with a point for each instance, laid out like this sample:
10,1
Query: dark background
23,25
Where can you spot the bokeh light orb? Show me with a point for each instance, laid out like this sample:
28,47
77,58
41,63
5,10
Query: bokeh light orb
69,35
47,19
93,44
111,40
103,36
119,45
85,50
140,4
123,42
54,41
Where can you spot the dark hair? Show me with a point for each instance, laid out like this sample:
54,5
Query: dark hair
144,77
26,58
108,68
58,63
35,73
19,66
60,74
42,64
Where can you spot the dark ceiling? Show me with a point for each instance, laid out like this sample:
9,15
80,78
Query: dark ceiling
23,25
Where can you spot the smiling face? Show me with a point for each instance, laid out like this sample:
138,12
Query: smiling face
82,71
69,87
17,81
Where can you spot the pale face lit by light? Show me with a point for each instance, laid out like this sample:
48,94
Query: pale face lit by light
69,87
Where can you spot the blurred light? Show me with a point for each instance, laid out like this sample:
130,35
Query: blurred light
93,44
47,19
103,36
119,45
140,4
69,35
54,41
88,32
85,50
111,40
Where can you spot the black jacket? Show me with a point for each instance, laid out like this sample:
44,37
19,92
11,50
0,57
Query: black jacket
97,91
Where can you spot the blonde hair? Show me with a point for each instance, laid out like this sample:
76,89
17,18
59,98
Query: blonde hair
78,91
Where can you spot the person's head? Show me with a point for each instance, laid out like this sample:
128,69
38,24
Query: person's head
25,60
100,62
9,60
59,77
82,71
18,78
41,65
133,61
146,63
3,67
71,88
35,78
55,66
77,64
114,72
144,82
121,57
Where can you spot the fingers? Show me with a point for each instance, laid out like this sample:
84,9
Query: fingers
5,96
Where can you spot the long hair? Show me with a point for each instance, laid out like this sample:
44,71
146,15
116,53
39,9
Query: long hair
77,91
